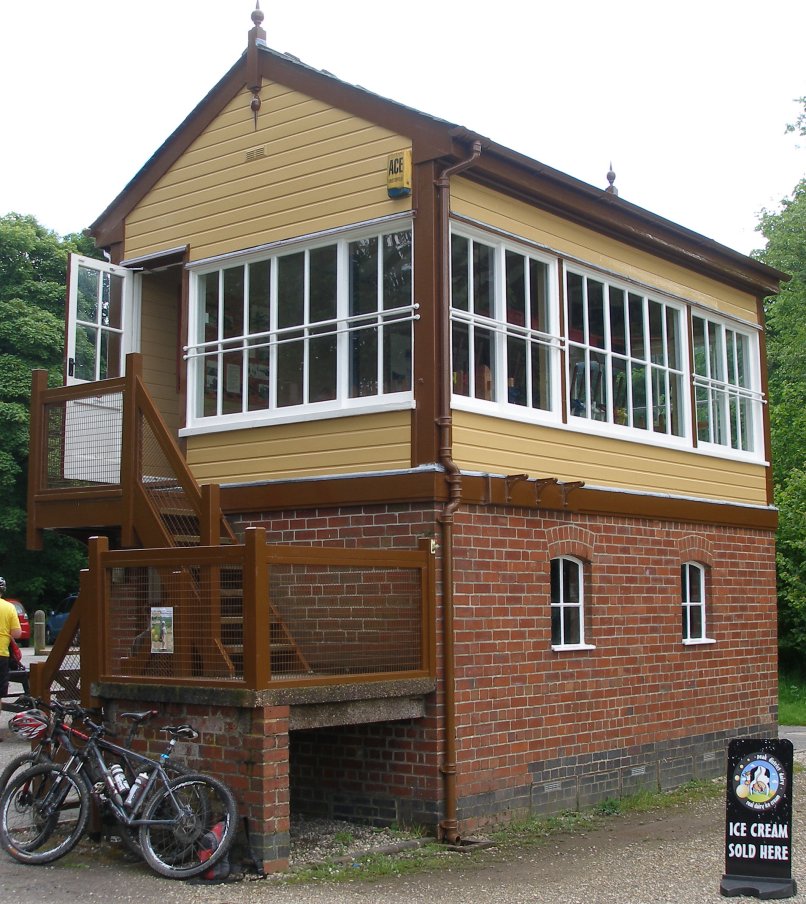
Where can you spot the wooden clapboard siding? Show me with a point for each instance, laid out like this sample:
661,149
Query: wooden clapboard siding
499,446
323,168
511,215
159,337
344,445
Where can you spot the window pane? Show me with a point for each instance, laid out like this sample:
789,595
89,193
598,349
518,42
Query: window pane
579,381
675,406
232,397
516,371
86,339
322,284
322,368
210,300
112,302
596,327
656,343
110,363
570,581
673,338
291,290
258,378
459,269
684,626
636,306
659,399
259,280
364,362
555,581
541,376
571,625
233,302
397,270
695,584
620,391
483,279
701,397
598,386
460,352
700,355
397,357
87,295
695,623
742,361
618,323
483,356
556,626
290,361
576,307
515,288
364,276
538,296
639,398
210,405
715,352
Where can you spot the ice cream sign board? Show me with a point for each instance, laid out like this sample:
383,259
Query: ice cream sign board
758,819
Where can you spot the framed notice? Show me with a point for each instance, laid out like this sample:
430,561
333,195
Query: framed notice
162,629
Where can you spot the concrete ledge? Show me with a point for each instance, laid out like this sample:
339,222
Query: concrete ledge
373,693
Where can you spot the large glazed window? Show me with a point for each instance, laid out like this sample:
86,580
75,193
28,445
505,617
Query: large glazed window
625,356
727,397
505,347
323,327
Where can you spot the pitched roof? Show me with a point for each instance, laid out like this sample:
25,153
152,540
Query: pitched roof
436,139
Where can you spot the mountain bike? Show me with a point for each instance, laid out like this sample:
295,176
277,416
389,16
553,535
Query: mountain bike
185,824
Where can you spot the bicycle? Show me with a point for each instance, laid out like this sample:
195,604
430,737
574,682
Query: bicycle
32,724
185,824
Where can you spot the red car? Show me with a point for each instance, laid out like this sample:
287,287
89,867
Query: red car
25,625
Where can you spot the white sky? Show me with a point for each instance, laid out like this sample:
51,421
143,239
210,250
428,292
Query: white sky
689,99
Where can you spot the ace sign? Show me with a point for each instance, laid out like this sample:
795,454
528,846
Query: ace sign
758,819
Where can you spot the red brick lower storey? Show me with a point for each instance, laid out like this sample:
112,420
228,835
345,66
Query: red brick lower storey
538,729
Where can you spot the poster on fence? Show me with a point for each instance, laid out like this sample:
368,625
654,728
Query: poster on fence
162,629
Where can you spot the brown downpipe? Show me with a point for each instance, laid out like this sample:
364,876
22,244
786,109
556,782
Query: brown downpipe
449,825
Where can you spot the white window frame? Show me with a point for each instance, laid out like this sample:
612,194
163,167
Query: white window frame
562,604
722,391
499,329
607,423
341,326
689,603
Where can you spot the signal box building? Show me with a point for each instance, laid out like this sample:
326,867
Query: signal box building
474,458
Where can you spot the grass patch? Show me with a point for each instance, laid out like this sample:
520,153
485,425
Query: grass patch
518,834
791,698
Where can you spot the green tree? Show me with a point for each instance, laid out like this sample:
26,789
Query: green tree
33,266
785,231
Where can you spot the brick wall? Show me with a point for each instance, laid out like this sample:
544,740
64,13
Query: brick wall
538,729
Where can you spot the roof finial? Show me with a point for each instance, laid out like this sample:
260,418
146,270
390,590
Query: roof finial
257,15
254,78
611,178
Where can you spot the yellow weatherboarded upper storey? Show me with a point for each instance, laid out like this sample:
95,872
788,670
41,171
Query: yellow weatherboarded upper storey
307,167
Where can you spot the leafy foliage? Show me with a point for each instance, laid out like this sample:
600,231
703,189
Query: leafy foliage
785,231
33,266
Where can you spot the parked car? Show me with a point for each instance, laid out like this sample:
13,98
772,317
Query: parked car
25,625
55,621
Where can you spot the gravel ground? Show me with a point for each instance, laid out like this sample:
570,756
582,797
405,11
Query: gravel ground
670,856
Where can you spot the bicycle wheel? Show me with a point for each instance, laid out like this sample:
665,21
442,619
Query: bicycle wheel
199,821
43,814
23,761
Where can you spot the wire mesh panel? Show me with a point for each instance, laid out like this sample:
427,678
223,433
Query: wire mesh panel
66,682
176,623
330,620
83,439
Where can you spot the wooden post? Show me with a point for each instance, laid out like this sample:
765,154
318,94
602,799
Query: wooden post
256,613
130,447
94,602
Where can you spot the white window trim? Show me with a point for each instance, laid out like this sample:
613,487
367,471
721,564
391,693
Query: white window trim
499,327
753,393
581,605
340,407
705,639
570,647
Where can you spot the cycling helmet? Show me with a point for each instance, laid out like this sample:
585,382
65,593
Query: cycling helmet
2,586
31,724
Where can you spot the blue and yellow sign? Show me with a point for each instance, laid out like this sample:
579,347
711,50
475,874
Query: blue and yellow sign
398,174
